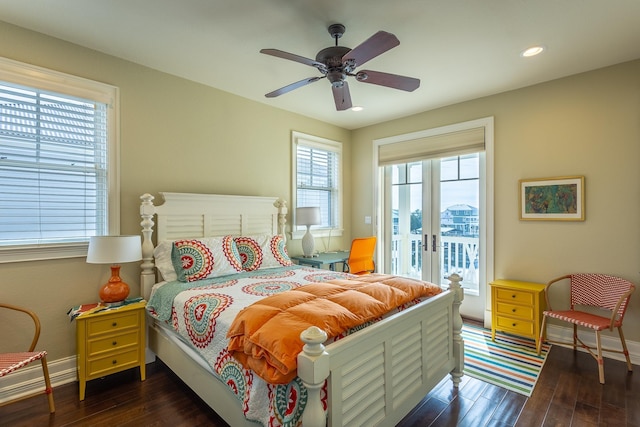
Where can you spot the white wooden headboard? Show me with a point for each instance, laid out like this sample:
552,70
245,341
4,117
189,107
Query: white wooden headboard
190,215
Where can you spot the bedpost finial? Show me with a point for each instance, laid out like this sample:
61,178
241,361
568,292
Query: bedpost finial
146,197
313,337
455,277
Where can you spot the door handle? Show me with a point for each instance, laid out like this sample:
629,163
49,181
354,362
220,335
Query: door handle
433,243
425,243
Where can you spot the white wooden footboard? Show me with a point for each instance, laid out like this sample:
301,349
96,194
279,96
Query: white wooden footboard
377,375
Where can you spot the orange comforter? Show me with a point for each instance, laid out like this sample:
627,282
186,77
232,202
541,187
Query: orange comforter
265,336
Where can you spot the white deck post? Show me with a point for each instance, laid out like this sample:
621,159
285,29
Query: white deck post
458,342
147,275
313,370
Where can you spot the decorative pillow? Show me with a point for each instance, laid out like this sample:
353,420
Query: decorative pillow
262,251
162,256
196,259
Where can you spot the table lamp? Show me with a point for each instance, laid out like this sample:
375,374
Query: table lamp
308,216
114,250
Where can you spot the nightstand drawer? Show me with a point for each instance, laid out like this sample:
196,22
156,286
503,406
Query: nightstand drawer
95,347
113,363
111,323
110,340
515,310
514,295
517,326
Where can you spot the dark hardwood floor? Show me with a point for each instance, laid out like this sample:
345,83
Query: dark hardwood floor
567,394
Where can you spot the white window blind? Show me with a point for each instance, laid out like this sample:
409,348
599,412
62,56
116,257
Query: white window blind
317,168
59,148
53,167
432,147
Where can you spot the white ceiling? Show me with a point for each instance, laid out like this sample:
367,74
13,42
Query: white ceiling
459,49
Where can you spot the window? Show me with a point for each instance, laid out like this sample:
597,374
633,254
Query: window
58,151
317,182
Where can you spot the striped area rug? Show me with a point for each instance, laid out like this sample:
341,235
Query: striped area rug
510,362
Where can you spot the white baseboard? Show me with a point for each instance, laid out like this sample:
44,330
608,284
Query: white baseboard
64,371
558,333
29,380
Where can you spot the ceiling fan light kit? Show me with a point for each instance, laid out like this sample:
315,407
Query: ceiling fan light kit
336,63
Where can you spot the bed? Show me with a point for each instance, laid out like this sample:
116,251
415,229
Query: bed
374,376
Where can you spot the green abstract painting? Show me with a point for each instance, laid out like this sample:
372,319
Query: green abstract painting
552,199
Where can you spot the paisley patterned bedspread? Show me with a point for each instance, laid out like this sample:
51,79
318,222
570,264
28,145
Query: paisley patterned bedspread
201,313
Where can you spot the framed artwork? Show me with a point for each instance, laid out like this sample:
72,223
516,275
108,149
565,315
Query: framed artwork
558,199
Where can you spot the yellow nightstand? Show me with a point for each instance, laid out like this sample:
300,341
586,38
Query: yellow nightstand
110,341
516,308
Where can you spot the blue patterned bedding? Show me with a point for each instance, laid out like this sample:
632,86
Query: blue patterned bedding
201,313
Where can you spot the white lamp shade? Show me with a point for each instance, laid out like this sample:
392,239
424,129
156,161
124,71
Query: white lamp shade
308,216
114,249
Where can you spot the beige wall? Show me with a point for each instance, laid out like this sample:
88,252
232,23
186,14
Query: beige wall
588,124
176,135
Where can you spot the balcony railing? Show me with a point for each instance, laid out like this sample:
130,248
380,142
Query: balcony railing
457,255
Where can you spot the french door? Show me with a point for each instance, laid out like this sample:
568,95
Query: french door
433,209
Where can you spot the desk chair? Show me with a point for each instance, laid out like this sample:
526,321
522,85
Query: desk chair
594,293
361,256
10,362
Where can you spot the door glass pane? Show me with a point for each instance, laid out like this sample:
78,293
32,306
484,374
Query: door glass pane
406,210
459,219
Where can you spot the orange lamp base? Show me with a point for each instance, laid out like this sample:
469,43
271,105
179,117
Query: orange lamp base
115,290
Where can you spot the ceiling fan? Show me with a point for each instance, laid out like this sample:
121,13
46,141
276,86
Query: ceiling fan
336,63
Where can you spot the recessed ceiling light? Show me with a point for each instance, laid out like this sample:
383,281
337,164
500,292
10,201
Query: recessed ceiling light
532,51
357,108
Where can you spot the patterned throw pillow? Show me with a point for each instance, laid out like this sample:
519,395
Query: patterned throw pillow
262,251
197,259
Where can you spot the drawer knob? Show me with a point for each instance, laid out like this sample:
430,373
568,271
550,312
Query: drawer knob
513,310
114,343
114,362
513,324
513,296
114,324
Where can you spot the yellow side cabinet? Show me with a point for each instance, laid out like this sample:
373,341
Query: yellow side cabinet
110,341
516,308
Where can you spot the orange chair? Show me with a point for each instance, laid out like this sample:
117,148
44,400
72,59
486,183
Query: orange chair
10,362
608,296
361,256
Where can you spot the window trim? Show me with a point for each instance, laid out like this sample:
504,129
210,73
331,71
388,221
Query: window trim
45,79
298,138
486,174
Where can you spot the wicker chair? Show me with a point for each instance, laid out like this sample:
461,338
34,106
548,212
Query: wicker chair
608,296
10,362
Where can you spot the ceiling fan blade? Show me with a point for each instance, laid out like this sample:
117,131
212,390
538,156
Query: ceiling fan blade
389,80
341,96
292,86
293,57
375,45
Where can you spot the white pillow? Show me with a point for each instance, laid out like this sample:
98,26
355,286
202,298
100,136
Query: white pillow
162,256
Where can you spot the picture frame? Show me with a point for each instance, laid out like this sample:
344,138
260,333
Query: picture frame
552,199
